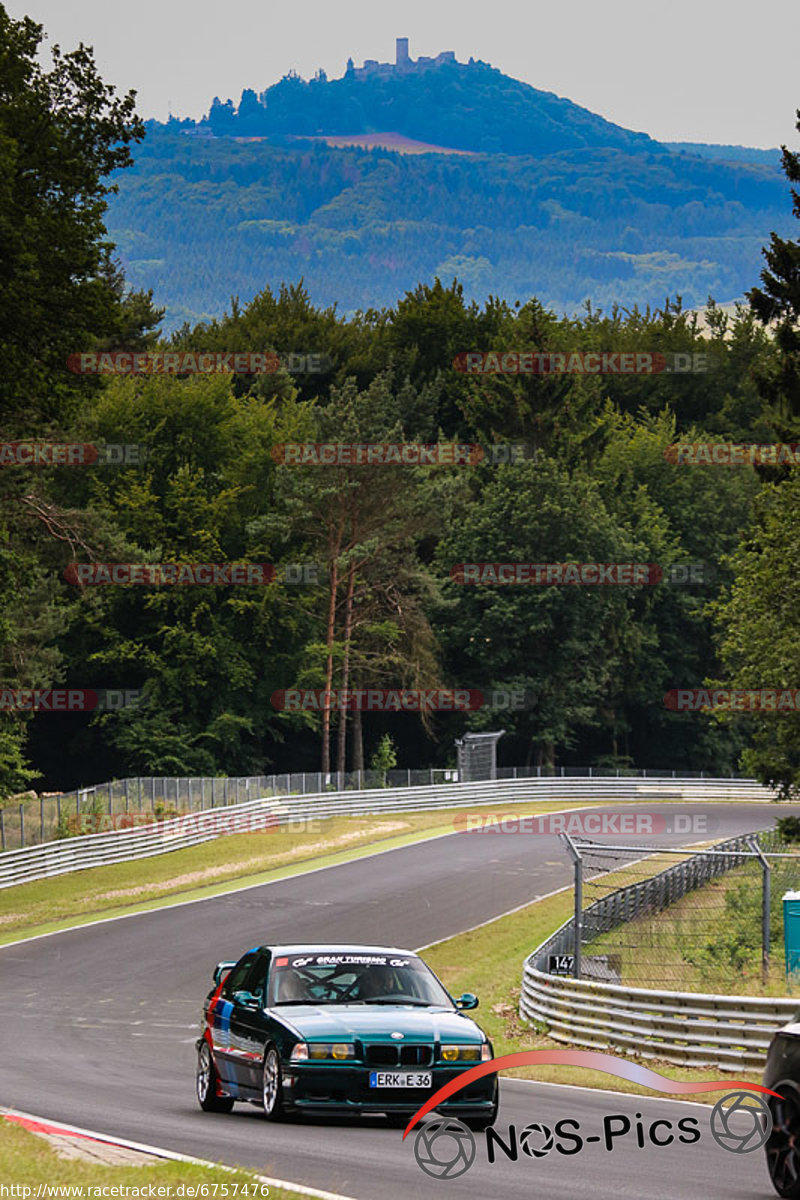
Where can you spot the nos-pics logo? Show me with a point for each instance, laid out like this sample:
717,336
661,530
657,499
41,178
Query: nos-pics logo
445,1148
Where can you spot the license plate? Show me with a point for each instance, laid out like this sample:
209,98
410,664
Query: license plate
394,1079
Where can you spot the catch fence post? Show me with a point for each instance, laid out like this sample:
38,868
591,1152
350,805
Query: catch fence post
766,896
578,918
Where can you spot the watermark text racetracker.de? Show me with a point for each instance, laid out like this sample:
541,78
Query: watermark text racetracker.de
221,822
592,823
581,574
72,454
755,700
733,454
583,362
194,362
407,454
165,574
69,700
393,700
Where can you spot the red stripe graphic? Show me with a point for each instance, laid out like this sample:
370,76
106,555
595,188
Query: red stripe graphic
609,1064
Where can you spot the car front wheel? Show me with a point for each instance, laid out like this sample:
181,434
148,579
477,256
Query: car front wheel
483,1122
272,1086
207,1080
783,1144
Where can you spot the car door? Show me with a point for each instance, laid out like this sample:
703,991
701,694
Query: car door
219,1019
248,1024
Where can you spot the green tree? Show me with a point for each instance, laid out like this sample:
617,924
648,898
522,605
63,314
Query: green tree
565,644
206,657
359,519
759,632
777,303
62,133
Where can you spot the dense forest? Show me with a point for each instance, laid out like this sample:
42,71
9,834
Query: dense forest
383,608
202,219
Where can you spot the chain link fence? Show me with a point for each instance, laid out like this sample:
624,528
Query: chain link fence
143,800
45,818
704,920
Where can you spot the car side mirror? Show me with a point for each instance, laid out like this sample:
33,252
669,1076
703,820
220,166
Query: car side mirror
468,1000
221,969
246,999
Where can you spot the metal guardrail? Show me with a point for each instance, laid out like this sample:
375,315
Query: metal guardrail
43,818
698,1029
121,845
728,1032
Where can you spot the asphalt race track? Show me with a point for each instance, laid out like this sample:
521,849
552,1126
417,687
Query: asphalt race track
97,1027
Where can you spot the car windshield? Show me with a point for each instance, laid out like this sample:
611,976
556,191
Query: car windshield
350,978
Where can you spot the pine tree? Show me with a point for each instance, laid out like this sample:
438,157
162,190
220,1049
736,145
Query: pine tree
778,303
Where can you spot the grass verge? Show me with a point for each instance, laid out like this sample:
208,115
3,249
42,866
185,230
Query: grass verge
710,939
488,961
221,865
28,1161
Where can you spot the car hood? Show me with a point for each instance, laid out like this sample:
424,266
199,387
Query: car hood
341,1022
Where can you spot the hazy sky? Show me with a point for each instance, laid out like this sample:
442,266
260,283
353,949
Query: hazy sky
680,70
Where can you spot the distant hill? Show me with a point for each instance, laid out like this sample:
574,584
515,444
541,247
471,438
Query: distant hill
541,198
390,140
466,106
750,154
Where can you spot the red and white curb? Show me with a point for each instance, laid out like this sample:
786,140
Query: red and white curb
54,1129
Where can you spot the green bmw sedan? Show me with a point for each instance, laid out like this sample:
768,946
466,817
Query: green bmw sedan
344,1028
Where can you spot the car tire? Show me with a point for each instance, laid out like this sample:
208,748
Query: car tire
478,1124
481,1123
399,1120
272,1086
206,1083
783,1156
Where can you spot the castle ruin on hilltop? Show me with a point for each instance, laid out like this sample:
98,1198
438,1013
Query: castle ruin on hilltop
402,61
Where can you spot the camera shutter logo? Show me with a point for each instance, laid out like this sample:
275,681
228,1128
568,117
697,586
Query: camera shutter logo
741,1122
533,1134
444,1148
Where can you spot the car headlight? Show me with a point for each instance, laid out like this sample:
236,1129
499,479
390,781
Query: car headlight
299,1053
457,1053
486,1052
338,1051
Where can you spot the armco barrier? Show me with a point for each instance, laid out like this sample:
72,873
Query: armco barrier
38,819
692,1029
121,845
728,1032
